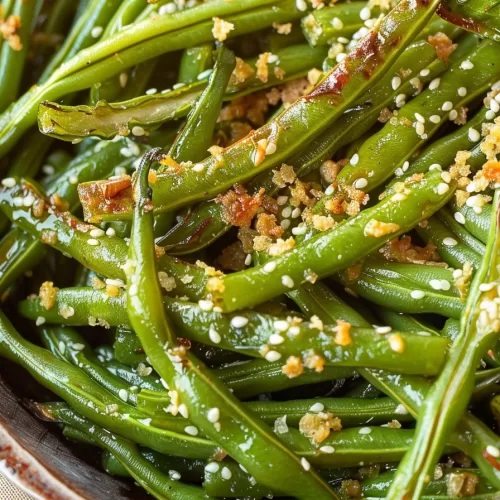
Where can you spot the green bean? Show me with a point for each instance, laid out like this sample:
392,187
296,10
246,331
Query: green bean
405,322
196,137
477,16
127,347
410,288
335,249
150,111
455,244
194,61
13,51
478,224
158,484
448,397
196,386
242,160
407,133
324,26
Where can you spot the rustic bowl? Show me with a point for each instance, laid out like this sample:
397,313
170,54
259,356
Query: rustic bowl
36,456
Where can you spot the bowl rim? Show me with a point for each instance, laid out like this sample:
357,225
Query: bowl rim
25,471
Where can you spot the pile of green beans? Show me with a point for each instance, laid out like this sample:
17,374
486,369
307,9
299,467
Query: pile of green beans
253,247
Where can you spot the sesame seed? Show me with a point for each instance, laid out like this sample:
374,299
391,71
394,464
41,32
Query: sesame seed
198,167
286,212
486,287
453,115
183,410
92,242
417,294
462,91
420,129
287,281
446,176
213,415
360,183
442,188
296,213
96,31
110,232
281,325
465,65
317,407
123,79
285,224
395,82
365,14
337,23
365,430
474,135
138,131
151,91
450,242
340,57
239,321
248,259
490,115
434,118
425,72
447,106
493,451
494,106
383,329
282,200
29,200
329,190
115,282
419,118
445,285
123,395
327,449
169,8
355,159
97,233
305,464
73,179
273,58
405,166
434,84
401,410
399,172
269,267
174,475
214,335
436,284
40,321
396,343
400,100
271,148
276,339
204,74
212,467
226,473
459,217
435,166
191,430
273,356
301,5
9,182
300,229
178,85
205,305
343,39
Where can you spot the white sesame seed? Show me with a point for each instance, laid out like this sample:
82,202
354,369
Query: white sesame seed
281,325
434,84
273,356
9,182
271,148
239,321
497,97
301,5
419,128
29,200
493,451
381,330
110,232
96,31
213,415
317,407
365,430
296,212
183,410
355,159
212,467
360,183
287,281
92,242
405,166
273,58
286,212
465,65
327,449
494,106
138,131
151,91
445,285
435,166
191,430
425,72
401,410
115,282
340,57
214,335
123,395
73,179
436,284
419,118
248,259
417,294
285,224
343,40
300,229
337,23
457,273
447,106
226,473
40,321
442,188
490,115
474,135
305,464
399,172
459,217
446,176
281,200
178,85
434,118
486,287
365,14
269,267
276,339
205,305
168,8
462,91
450,242
96,233
396,83
174,475
329,190
453,115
